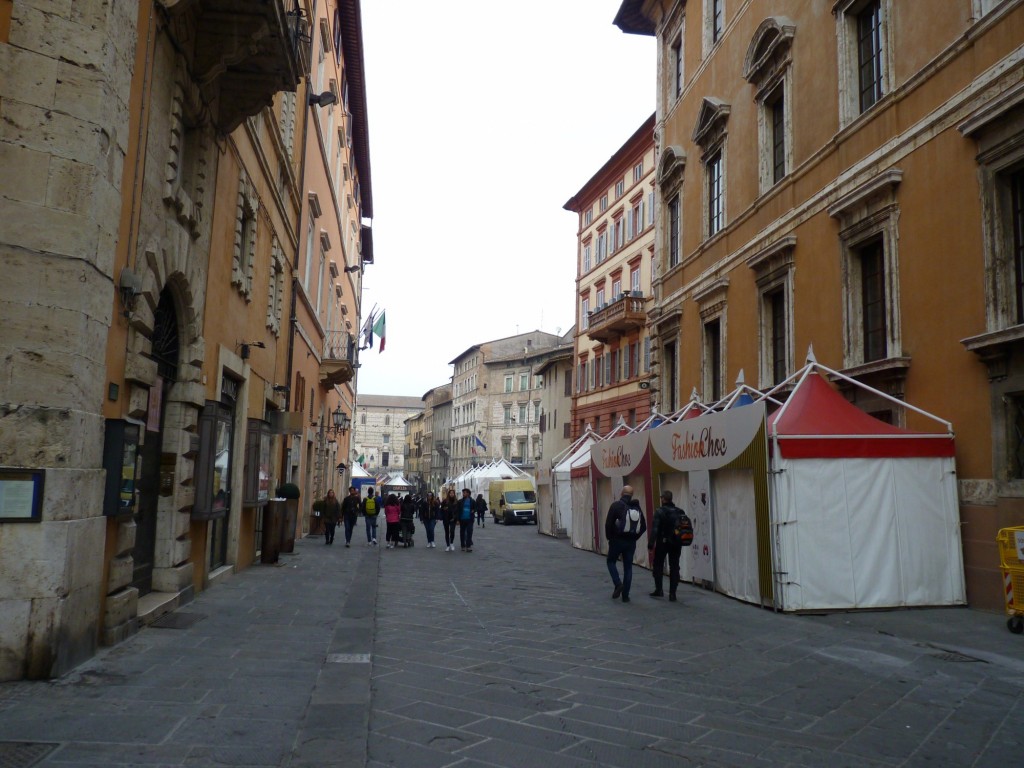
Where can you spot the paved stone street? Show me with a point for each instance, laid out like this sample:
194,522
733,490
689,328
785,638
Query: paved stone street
516,655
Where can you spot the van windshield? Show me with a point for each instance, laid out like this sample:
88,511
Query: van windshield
520,497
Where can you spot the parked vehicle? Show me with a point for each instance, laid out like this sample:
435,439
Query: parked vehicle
513,501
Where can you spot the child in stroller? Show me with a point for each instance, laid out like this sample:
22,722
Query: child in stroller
406,526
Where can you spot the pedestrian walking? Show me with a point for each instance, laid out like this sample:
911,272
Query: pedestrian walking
624,524
371,509
350,513
429,514
451,516
330,511
467,512
392,514
481,508
664,544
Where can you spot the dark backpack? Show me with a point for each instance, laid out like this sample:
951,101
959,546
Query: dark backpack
682,530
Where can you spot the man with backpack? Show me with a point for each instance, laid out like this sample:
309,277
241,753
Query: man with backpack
671,530
624,524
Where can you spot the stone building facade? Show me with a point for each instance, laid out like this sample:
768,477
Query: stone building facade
149,265
848,175
614,258
495,401
378,431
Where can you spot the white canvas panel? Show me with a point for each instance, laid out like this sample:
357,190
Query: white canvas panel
735,532
815,558
867,533
931,552
582,514
874,533
562,499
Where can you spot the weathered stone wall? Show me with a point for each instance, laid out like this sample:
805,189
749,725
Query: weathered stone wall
63,137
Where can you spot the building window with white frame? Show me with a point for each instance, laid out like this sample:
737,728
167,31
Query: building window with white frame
586,257
620,188
507,413
524,382
865,55
712,362
767,66
585,313
713,171
773,273
638,171
868,217
508,383
588,217
604,203
677,68
674,224
714,23
634,281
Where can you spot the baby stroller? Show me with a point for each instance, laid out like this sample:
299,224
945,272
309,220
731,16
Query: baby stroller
406,526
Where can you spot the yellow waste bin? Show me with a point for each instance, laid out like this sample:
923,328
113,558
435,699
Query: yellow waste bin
1011,563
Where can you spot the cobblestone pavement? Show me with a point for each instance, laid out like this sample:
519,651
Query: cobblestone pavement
516,655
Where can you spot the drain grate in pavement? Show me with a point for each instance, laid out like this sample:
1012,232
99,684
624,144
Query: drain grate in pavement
954,656
21,754
348,658
178,620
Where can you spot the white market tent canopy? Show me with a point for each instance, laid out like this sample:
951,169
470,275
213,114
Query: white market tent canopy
397,482
865,513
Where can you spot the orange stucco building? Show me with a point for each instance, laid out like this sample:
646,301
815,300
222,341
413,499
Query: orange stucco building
847,175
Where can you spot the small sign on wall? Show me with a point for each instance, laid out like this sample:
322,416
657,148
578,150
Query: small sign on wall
21,495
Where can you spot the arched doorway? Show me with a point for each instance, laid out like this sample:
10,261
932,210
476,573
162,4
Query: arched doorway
156,480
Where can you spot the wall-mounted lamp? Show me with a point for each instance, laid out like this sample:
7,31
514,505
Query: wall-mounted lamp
282,388
357,268
129,286
341,421
324,99
245,347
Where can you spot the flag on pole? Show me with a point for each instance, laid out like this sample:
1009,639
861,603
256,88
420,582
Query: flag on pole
367,332
480,443
379,328
361,460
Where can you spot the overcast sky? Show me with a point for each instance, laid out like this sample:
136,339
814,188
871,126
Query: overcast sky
485,118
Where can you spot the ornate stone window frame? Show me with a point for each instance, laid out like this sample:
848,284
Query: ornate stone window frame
710,134
184,186
246,229
276,287
768,66
867,212
773,270
845,12
712,303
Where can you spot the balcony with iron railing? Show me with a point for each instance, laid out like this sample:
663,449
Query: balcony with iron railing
624,314
241,52
338,363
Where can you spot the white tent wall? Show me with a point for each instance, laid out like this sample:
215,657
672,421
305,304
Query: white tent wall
679,484
735,534
561,485
867,533
582,514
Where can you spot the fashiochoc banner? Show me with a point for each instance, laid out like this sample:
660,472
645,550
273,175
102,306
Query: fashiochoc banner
707,442
619,456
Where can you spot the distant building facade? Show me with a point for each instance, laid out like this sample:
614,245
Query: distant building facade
378,431
495,401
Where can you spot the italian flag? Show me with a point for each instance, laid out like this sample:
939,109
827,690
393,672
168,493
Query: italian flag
379,328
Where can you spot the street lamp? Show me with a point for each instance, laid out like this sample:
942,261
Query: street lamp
341,421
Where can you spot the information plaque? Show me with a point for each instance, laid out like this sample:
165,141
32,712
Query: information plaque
21,495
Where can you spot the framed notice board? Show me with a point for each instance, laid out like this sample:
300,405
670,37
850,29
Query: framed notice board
21,495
